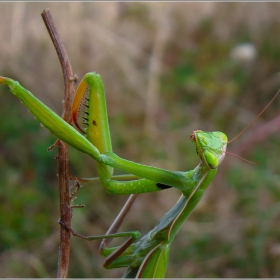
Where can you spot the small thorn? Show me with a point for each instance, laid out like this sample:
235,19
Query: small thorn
73,78
78,206
54,144
77,187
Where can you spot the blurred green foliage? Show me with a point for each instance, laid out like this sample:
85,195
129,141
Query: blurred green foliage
197,84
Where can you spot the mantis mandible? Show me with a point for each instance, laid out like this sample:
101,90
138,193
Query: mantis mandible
148,256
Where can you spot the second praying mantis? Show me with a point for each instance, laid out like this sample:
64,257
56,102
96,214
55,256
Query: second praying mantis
145,257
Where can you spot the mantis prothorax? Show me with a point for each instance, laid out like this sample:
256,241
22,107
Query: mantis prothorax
148,256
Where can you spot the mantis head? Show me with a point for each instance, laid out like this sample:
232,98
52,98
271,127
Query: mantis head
210,147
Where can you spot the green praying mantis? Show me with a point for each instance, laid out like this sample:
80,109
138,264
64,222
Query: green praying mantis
144,257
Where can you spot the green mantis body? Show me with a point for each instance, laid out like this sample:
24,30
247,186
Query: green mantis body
148,256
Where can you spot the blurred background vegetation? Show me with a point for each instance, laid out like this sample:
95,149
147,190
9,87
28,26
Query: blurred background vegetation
168,69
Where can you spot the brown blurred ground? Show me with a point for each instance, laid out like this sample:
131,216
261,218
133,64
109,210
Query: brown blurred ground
168,69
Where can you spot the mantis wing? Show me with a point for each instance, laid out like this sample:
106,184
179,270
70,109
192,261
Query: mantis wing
155,263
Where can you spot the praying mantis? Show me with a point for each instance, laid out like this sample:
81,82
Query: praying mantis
145,257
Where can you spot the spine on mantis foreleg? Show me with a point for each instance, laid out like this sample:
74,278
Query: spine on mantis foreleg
51,120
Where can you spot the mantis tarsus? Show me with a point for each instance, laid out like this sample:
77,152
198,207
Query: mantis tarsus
148,256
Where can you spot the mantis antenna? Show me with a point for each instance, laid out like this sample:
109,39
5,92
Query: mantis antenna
233,139
234,155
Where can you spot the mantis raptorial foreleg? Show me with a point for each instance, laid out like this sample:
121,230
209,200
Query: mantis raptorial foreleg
64,131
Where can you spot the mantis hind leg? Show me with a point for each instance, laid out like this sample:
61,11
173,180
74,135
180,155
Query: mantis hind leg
113,253
112,230
121,256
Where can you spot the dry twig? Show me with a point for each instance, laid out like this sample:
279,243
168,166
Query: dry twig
62,157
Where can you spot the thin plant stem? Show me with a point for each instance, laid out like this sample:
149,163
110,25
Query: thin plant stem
62,156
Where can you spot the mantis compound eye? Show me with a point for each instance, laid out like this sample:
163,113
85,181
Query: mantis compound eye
192,137
211,159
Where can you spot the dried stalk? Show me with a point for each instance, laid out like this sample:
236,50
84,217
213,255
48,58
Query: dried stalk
62,156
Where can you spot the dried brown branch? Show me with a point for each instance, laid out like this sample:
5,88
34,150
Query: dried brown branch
62,157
